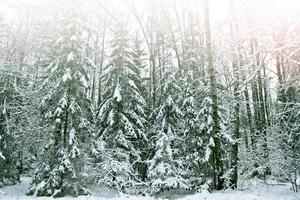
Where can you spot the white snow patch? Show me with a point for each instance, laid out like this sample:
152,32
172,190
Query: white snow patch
2,156
84,82
4,108
73,38
67,75
70,56
257,192
72,136
58,120
132,84
117,94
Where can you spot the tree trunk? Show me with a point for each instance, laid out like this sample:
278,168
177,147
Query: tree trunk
101,65
255,99
217,153
236,94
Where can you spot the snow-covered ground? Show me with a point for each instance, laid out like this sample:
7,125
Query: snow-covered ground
257,192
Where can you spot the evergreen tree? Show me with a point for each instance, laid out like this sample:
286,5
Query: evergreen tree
166,167
8,149
194,111
193,133
138,57
66,107
121,117
217,161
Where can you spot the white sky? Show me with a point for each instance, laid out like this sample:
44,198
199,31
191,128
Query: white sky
218,8
270,10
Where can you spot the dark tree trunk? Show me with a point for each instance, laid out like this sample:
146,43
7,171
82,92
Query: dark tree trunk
217,153
236,94
101,64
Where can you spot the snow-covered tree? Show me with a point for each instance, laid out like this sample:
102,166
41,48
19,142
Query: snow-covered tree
166,168
8,149
17,121
66,108
121,118
138,57
287,131
192,133
174,103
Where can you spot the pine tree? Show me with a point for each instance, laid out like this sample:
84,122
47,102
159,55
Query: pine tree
8,149
193,133
166,167
15,121
138,57
217,161
66,107
121,117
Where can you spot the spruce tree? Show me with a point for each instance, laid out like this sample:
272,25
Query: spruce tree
166,166
121,118
8,146
66,107
138,57
193,133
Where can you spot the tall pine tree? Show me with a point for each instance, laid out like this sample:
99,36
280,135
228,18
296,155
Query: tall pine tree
166,169
121,120
8,146
66,106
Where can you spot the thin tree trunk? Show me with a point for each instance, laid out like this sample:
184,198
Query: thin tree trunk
217,153
249,113
101,64
236,94
255,99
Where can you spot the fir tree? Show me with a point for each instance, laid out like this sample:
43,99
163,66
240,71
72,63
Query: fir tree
121,117
66,107
8,149
165,167
138,57
193,133
206,150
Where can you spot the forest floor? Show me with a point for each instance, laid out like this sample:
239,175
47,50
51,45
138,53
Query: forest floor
256,192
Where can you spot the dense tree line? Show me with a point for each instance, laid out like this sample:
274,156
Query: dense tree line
146,101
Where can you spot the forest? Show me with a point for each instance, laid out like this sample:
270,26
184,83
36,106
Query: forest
149,97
